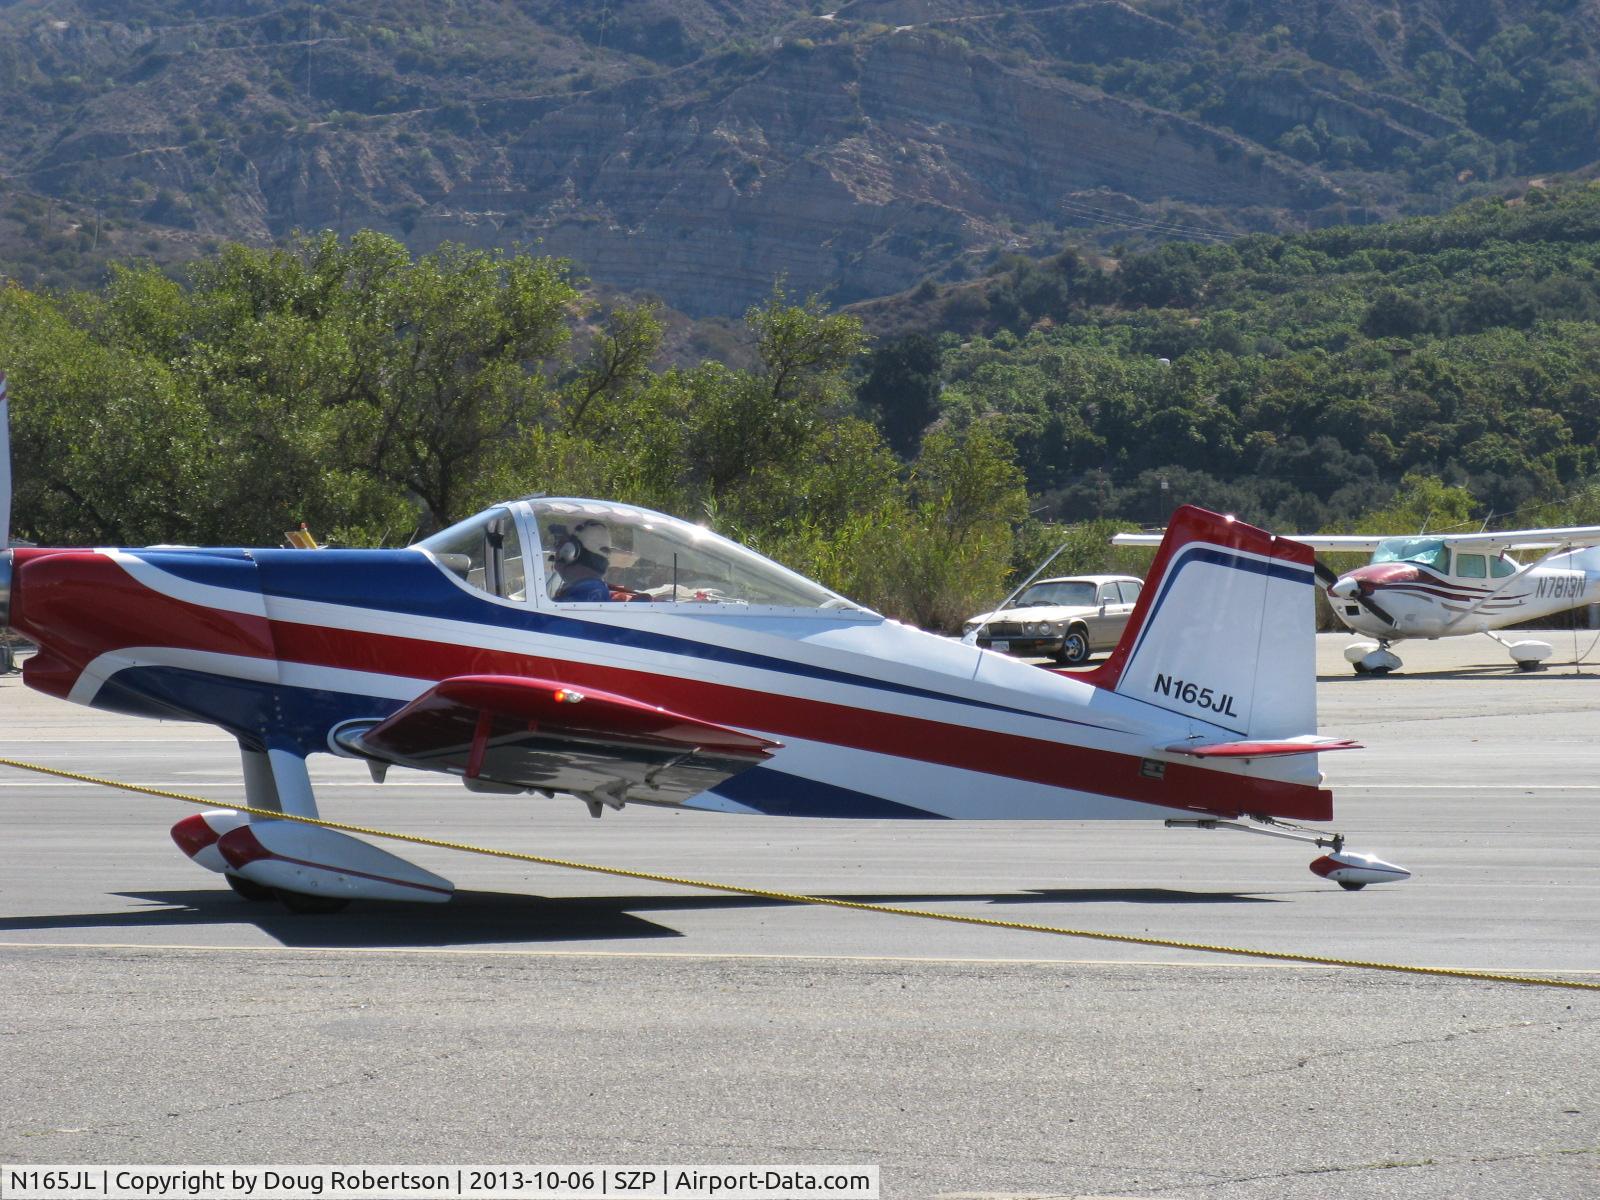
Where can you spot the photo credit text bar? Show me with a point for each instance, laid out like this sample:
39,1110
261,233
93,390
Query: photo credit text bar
614,1182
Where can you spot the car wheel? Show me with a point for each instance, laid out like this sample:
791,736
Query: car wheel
1074,647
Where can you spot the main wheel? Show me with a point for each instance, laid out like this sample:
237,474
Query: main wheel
1351,887
247,889
301,902
1074,648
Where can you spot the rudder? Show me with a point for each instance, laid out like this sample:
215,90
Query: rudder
1223,630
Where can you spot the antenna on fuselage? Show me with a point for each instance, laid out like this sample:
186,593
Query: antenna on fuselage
970,638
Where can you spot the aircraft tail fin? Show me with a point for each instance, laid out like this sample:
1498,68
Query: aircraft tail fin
1223,630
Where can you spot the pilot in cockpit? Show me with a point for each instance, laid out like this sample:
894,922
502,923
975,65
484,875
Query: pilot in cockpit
581,557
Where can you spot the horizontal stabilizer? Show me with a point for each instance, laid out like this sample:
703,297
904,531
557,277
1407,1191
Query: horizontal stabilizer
1261,749
506,732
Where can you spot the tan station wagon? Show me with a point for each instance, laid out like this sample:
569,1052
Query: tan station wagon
1066,619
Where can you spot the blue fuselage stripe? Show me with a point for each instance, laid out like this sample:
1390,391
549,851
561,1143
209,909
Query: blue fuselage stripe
408,583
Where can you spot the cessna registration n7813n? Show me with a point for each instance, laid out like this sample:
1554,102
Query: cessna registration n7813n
702,676
1434,585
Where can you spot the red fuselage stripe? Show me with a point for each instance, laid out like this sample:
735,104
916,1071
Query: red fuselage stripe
1013,756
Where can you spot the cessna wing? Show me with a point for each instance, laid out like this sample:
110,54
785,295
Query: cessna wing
504,733
1489,542
1524,539
1345,543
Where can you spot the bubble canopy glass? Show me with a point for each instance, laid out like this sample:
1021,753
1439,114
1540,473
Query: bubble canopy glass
649,556
670,560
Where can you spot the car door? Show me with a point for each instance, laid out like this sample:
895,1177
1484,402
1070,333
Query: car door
1106,622
1128,590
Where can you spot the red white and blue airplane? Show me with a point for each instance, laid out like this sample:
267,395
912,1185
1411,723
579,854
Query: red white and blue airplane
700,675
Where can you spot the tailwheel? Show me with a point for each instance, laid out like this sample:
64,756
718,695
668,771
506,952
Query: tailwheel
247,889
309,905
1353,871
1349,870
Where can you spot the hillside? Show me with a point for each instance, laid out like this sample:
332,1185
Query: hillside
697,150
1293,380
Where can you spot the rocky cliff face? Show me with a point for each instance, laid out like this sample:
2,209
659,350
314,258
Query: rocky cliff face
855,169
701,150
851,169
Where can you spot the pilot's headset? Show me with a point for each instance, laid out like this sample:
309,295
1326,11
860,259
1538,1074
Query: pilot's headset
588,543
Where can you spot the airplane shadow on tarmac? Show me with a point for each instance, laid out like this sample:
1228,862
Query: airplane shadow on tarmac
478,918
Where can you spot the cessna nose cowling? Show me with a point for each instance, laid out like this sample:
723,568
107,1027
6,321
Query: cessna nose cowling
1379,574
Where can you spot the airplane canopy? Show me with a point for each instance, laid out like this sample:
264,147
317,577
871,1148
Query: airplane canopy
641,554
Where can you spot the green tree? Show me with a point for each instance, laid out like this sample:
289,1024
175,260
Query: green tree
744,423
1396,314
1423,502
107,449
901,389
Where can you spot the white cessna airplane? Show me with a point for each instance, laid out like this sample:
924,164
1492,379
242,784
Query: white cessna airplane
1436,585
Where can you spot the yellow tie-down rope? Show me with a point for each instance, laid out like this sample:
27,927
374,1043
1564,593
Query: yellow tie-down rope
826,901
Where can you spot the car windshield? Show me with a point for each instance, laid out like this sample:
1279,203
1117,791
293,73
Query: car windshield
1429,552
645,555
1057,591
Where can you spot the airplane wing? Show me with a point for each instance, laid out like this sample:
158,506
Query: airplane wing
1352,543
508,733
1524,539
1490,542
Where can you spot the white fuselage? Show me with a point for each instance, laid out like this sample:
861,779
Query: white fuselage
1423,602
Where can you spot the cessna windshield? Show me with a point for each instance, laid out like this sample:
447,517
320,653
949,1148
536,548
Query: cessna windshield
1424,551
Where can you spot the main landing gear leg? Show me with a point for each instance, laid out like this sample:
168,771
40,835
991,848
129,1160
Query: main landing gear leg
1349,870
290,784
259,792
307,868
222,840
1528,655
